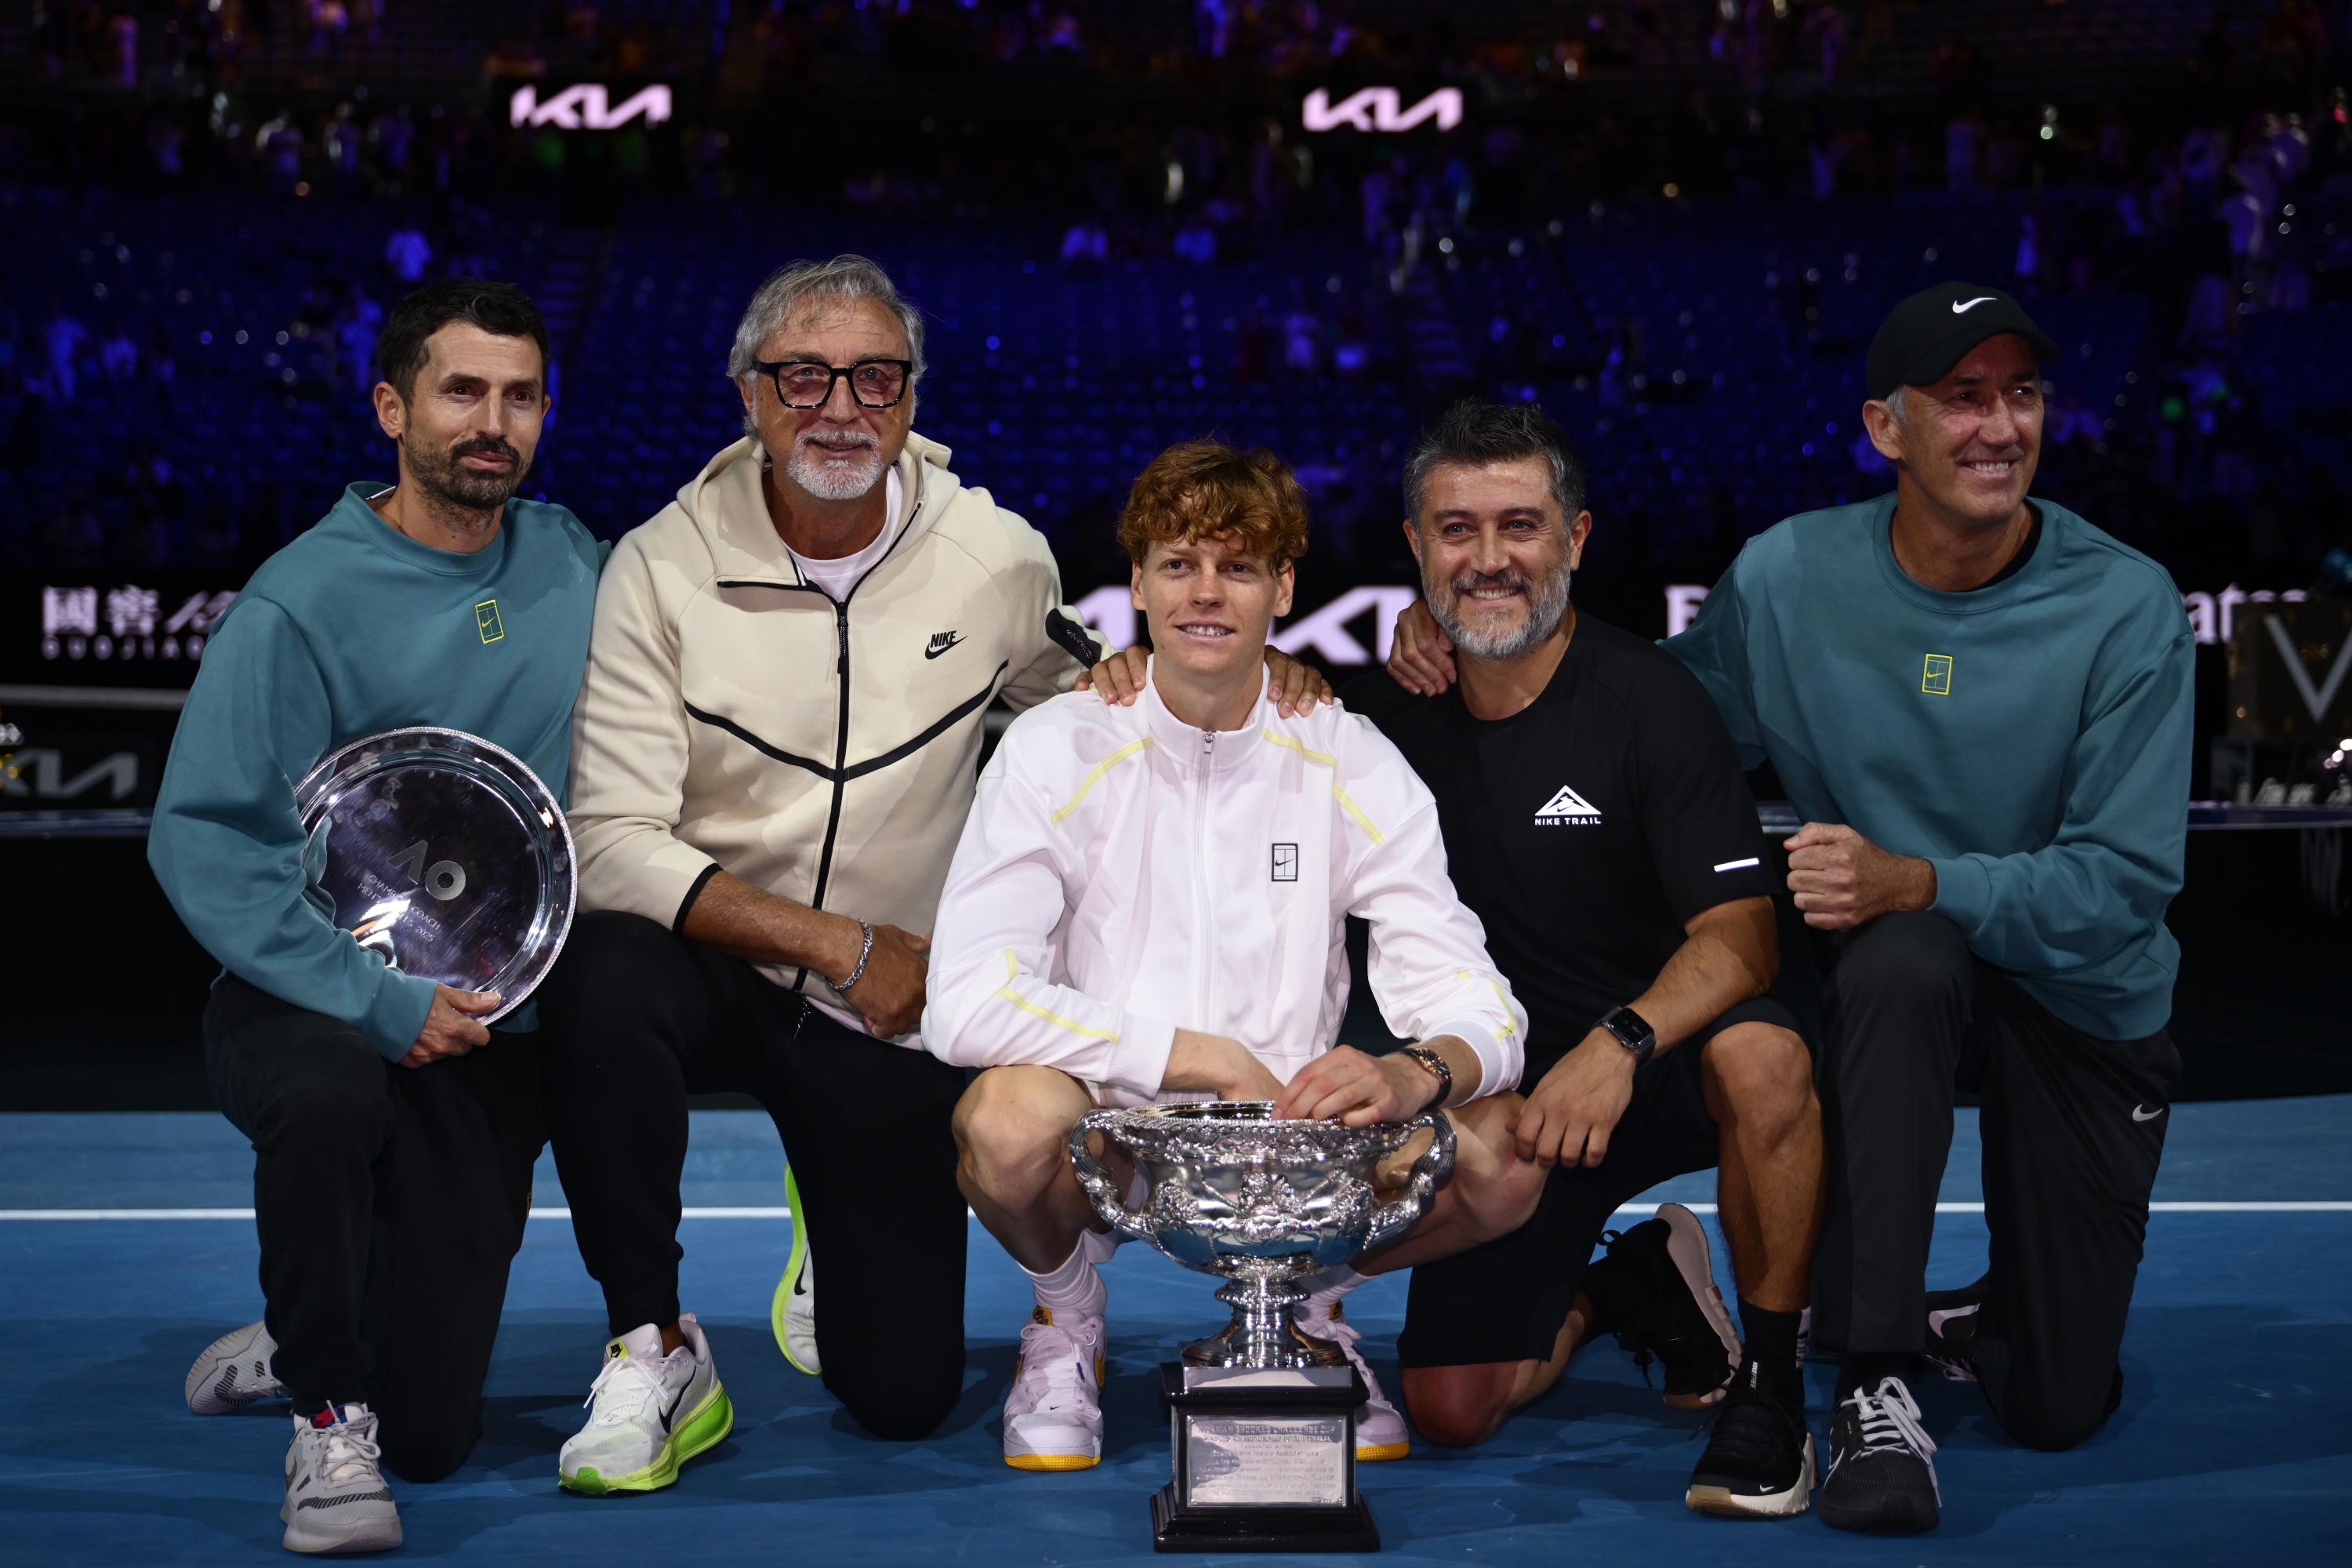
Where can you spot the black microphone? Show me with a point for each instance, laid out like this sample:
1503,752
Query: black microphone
1072,639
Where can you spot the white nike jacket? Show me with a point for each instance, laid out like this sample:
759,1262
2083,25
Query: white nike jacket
735,715
1123,875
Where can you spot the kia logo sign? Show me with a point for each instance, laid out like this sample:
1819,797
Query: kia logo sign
1378,108
585,108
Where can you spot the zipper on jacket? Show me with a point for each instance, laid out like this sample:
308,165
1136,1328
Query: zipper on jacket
840,761
1202,969
840,723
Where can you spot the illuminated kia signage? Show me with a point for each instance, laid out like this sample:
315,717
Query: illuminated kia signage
589,107
1379,109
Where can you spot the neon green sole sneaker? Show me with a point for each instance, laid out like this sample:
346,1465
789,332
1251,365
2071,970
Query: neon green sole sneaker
792,1313
649,1412
704,1429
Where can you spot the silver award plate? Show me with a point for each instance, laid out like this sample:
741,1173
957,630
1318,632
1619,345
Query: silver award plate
1266,1460
445,854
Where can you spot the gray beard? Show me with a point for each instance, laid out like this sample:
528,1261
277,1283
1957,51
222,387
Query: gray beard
831,481
1547,604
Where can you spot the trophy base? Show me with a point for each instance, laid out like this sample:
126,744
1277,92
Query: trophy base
1177,1529
1289,1347
1263,1459
1262,1332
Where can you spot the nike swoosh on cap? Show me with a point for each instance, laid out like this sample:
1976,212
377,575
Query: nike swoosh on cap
1962,307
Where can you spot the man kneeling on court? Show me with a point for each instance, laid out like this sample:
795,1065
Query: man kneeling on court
1148,904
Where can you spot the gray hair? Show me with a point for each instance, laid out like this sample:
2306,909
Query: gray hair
844,279
1476,433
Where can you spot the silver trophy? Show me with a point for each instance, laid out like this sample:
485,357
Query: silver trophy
444,853
1262,1201
1262,1414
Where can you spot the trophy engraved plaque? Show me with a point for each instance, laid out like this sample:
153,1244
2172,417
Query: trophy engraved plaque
444,853
1262,1416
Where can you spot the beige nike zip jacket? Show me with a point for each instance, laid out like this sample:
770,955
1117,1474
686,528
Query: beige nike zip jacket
735,716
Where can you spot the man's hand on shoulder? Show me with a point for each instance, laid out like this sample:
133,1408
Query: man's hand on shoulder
1841,880
1422,658
1569,1118
1119,675
450,1029
1359,1090
1295,688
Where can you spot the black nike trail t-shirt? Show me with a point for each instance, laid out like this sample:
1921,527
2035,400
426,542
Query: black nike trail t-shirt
1586,829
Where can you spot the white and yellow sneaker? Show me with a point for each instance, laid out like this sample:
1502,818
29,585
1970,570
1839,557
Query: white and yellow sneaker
1379,1430
1053,1416
792,1313
648,1414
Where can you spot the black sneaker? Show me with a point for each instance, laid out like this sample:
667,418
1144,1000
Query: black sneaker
1881,1476
1655,1292
1759,1463
1952,1331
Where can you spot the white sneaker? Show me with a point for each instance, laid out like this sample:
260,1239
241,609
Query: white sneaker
1053,1417
648,1414
792,1313
234,1370
337,1500
1379,1430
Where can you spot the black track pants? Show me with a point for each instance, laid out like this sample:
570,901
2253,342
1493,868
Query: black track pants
2072,1128
636,1018
390,1201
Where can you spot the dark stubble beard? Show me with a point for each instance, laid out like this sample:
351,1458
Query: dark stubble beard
442,473
1547,601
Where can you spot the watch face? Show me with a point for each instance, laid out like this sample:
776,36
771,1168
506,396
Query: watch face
1632,1030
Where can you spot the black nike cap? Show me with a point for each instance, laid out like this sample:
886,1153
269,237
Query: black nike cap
1924,337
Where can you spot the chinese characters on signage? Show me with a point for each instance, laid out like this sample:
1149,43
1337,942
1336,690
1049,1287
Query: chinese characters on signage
128,622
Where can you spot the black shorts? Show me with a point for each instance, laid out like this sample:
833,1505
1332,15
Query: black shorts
1505,1300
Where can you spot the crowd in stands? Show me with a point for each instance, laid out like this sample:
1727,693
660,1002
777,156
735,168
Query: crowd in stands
1685,279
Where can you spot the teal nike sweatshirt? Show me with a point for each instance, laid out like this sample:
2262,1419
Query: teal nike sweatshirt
2030,738
353,629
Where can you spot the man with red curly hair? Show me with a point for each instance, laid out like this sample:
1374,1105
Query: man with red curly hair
1148,904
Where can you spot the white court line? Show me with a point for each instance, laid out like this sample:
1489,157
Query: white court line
2329,1205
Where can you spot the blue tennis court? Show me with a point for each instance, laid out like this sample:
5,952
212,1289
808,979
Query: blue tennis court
2230,1446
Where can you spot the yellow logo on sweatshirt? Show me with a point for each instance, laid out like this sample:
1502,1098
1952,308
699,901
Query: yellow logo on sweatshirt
485,617
1936,680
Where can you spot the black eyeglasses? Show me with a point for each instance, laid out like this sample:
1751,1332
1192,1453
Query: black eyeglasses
806,384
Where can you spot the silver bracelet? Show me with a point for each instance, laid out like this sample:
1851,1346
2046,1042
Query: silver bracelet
864,954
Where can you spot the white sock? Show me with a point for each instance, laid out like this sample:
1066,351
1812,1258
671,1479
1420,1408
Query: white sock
1324,1288
1099,1245
1074,1289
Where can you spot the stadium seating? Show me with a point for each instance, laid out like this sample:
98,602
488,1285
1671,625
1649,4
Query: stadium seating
1707,353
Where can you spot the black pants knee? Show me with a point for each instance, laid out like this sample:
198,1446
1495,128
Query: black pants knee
636,1018
2072,1128
390,1202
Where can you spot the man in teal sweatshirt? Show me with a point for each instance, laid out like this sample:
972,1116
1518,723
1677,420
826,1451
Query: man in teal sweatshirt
1979,704
393,1134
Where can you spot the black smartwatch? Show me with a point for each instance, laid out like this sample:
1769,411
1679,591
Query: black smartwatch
1633,1032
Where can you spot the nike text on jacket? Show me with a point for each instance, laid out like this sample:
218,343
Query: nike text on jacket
1123,875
